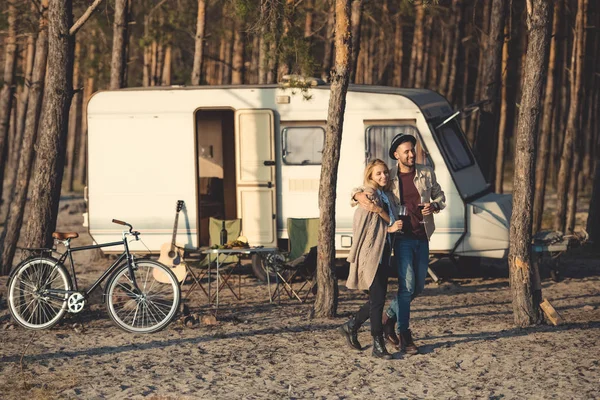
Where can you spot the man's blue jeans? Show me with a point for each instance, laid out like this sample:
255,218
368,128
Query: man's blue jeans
412,258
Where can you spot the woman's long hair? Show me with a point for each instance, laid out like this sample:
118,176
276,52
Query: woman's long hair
369,171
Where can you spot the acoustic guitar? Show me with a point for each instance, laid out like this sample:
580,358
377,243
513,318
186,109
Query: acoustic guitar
171,255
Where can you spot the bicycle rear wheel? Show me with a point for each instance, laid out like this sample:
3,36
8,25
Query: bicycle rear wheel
38,292
148,309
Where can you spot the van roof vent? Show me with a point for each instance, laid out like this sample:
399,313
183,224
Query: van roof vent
299,80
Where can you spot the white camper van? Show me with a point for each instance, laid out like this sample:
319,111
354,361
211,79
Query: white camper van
254,152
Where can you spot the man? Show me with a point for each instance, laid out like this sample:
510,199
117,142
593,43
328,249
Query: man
415,187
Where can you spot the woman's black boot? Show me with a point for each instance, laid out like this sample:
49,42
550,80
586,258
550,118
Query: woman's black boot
350,331
379,349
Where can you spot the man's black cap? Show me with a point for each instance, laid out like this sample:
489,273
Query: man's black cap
398,140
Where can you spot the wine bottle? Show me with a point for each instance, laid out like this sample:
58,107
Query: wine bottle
223,234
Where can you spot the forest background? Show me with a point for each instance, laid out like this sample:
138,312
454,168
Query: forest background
471,51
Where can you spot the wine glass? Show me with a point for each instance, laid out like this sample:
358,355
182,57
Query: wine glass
402,213
422,206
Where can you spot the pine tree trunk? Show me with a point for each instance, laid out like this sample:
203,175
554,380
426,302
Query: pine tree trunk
503,116
53,127
309,18
8,87
88,90
479,85
23,103
254,63
449,32
574,186
153,62
524,277
147,67
487,138
227,64
119,45
357,12
275,35
416,53
458,35
237,74
588,136
571,139
167,66
545,132
329,38
427,51
263,59
327,295
74,120
14,220
593,221
398,50
199,42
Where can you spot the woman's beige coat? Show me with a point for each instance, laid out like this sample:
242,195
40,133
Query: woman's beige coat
369,235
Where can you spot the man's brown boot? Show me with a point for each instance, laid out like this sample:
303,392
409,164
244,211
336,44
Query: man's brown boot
389,333
406,343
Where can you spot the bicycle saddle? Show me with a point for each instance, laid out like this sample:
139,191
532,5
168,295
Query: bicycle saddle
65,235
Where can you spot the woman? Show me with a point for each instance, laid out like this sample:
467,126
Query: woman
370,254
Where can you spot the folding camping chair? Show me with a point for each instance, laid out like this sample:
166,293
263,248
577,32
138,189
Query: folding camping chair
301,260
234,228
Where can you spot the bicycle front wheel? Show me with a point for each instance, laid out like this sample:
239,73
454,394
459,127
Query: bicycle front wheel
38,292
149,307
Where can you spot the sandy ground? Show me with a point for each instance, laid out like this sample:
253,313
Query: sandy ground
470,348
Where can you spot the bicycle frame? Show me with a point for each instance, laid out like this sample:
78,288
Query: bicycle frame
68,254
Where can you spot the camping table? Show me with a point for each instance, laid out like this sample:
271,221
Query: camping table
210,253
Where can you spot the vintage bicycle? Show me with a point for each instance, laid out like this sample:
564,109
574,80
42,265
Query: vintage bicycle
41,289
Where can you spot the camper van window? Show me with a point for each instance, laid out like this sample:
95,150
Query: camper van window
379,137
454,146
302,145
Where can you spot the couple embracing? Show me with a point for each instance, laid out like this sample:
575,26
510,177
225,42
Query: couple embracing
395,213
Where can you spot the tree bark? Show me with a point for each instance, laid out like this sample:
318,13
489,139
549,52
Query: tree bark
479,83
237,74
500,154
593,220
487,134
199,42
53,132
119,46
587,130
23,103
167,74
8,87
524,276
449,30
545,132
14,220
416,53
308,22
74,120
398,50
569,146
458,36
357,12
329,39
88,90
327,295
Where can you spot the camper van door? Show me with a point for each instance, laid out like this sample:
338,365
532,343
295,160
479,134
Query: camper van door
255,175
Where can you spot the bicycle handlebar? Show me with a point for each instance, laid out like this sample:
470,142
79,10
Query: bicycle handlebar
116,221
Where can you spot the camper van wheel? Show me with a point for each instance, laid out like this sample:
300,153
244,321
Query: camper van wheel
259,269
